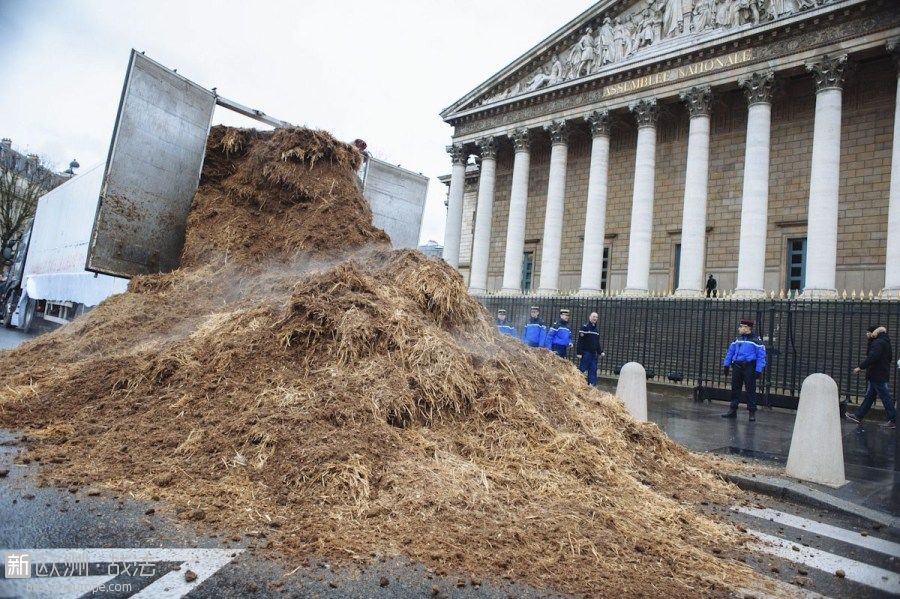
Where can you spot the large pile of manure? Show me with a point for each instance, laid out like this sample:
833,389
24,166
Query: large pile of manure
295,374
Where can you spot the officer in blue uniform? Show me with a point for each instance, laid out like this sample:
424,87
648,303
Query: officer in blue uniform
746,359
559,337
535,331
588,348
503,327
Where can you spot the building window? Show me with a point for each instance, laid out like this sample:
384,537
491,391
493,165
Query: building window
527,271
604,276
677,272
796,264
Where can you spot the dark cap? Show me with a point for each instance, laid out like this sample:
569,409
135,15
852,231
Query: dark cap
501,311
872,328
535,308
564,311
748,323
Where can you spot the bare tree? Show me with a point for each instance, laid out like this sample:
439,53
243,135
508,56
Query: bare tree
23,179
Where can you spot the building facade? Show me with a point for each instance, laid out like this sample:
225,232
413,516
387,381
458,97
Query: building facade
647,144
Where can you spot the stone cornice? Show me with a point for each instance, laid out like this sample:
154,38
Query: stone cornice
857,26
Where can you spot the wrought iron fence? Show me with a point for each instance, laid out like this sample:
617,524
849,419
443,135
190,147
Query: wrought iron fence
683,341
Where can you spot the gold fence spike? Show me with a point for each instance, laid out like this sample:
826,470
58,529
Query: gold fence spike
853,295
781,294
871,294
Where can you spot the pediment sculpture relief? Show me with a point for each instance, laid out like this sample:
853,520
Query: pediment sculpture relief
644,25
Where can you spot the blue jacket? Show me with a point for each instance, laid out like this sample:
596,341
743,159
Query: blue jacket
504,328
534,332
559,334
747,348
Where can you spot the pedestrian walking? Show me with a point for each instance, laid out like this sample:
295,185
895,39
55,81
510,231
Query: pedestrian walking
746,359
877,364
711,285
534,333
503,327
588,348
559,337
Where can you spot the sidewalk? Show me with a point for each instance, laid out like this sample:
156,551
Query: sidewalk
868,449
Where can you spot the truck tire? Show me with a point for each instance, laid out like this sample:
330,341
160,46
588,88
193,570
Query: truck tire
28,317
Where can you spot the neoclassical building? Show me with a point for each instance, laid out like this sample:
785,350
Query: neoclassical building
648,143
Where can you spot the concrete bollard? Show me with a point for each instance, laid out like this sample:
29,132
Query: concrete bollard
632,390
817,450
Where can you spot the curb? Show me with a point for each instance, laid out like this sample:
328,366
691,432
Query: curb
800,493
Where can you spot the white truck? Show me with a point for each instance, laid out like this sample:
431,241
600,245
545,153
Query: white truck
127,216
55,287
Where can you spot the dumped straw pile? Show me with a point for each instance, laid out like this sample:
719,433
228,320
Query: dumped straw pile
298,376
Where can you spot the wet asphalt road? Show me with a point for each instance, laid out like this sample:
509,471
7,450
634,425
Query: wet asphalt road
10,338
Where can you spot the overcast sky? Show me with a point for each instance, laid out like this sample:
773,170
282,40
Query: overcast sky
379,70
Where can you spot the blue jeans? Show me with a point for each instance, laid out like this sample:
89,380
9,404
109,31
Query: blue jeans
588,365
882,390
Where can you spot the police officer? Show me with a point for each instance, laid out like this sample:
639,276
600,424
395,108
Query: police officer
746,358
503,327
588,348
534,332
559,337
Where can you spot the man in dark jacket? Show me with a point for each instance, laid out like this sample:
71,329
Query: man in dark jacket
746,358
535,331
588,348
559,337
877,364
503,326
711,285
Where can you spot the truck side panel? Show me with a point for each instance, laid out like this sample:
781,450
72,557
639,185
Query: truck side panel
153,169
397,198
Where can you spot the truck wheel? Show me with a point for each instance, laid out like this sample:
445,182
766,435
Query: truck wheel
28,317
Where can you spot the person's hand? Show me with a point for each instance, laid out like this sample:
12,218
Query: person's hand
603,354
578,356
857,370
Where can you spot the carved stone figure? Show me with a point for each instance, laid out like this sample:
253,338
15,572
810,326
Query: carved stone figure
605,41
587,54
620,41
672,18
780,8
645,33
631,27
704,17
656,25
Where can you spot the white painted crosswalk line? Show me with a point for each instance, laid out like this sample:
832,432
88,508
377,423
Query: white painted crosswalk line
825,530
871,576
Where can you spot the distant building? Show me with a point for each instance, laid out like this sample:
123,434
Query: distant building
648,143
432,248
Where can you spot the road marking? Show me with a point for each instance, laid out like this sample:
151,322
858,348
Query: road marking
872,576
825,530
203,562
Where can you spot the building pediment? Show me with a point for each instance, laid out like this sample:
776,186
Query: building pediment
613,34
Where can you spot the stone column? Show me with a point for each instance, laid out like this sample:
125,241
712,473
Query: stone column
892,257
518,203
696,180
755,198
595,214
481,242
638,279
822,218
453,228
553,216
